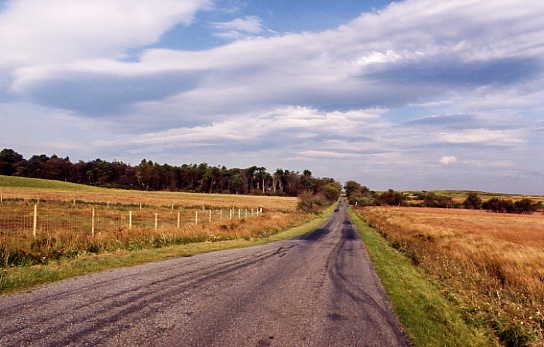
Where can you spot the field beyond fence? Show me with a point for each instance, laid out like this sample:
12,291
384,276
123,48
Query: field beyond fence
104,196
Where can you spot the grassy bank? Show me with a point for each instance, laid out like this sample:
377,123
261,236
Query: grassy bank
428,318
24,277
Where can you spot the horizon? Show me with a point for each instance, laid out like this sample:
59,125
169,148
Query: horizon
407,95
268,170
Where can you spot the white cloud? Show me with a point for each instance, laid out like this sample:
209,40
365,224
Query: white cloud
239,27
328,154
64,31
447,160
484,136
357,64
269,123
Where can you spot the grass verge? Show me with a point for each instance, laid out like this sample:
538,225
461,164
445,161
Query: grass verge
428,318
24,277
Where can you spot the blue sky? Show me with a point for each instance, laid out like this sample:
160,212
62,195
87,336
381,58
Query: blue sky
278,15
413,94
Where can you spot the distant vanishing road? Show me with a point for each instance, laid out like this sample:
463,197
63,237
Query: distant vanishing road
317,290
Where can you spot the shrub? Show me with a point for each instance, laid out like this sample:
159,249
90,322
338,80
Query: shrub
435,200
391,197
310,203
331,192
472,202
508,206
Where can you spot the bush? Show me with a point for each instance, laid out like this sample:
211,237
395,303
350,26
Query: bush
331,192
310,203
391,197
473,202
363,200
508,206
434,200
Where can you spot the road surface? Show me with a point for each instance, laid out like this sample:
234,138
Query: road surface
316,290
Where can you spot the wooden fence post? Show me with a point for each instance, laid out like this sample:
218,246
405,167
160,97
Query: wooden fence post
210,216
196,217
35,220
156,221
230,213
239,214
92,223
179,219
140,206
129,220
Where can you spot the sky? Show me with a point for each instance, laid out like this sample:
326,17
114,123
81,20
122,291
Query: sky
412,94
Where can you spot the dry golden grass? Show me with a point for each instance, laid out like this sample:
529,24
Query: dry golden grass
154,198
493,264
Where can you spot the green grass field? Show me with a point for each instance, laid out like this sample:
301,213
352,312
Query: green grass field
37,183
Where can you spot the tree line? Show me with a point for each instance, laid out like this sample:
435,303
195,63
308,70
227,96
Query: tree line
360,195
149,175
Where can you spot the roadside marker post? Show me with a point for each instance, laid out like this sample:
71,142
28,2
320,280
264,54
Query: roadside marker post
210,216
129,220
179,219
196,217
35,220
92,222
156,221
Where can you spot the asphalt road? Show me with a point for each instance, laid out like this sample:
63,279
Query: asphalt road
317,290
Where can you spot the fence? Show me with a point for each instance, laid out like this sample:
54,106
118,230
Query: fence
38,217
